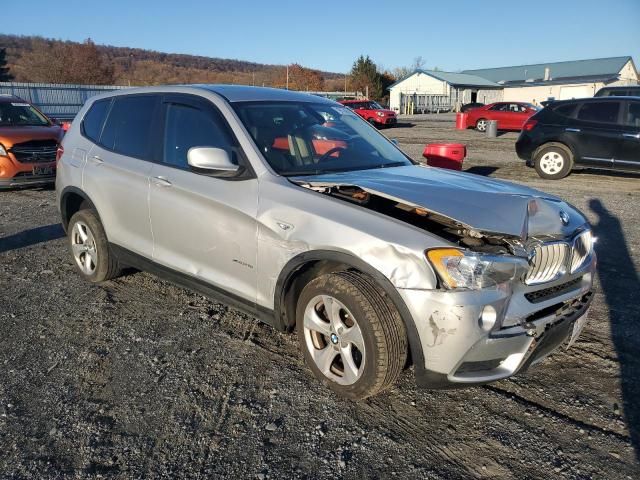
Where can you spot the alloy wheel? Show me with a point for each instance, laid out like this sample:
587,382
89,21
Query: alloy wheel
83,245
551,163
334,340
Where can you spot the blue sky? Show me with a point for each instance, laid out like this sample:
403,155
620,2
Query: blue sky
329,35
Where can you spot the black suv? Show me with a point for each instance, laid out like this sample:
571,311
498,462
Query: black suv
601,132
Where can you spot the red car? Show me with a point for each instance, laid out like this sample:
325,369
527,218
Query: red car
509,115
372,112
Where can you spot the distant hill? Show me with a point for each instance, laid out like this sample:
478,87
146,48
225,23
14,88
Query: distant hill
136,66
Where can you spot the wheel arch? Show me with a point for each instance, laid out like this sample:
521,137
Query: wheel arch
72,200
305,266
558,144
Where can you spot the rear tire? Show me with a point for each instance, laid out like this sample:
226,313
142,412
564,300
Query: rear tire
352,337
553,162
90,248
481,125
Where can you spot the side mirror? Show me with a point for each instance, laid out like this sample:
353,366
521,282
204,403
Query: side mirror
394,141
213,159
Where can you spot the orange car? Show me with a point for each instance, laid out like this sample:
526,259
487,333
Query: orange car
28,144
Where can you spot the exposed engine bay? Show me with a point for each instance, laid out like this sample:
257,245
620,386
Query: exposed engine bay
423,218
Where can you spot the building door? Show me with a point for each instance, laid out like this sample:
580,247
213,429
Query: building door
474,96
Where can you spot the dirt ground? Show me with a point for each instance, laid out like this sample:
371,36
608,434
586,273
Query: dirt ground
137,378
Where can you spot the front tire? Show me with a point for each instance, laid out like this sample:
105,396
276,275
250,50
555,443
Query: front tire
352,337
90,248
553,162
372,121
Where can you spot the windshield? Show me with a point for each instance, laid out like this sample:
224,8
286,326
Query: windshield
19,113
300,138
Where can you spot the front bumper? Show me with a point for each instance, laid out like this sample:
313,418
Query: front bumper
460,349
27,181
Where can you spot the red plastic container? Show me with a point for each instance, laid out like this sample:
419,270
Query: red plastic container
461,121
445,155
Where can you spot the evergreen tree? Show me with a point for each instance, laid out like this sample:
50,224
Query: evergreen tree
5,76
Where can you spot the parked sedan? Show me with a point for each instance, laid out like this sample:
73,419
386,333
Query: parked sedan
602,132
509,115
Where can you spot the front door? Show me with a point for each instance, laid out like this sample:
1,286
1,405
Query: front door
203,226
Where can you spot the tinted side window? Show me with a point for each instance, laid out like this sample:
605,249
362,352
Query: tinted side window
633,114
94,119
499,107
601,112
128,128
566,110
187,127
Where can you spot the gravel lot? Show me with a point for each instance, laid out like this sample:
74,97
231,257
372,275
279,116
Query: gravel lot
138,378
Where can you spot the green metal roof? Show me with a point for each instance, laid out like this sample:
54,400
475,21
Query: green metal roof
597,68
453,79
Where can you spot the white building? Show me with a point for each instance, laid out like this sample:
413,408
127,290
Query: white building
560,80
428,90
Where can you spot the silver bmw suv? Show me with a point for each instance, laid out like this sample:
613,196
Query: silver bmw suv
294,210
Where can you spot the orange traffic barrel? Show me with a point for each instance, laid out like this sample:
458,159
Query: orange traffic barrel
461,121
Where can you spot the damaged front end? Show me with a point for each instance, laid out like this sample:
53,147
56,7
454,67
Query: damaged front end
515,279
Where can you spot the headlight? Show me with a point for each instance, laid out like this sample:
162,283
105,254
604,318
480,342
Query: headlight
380,114
3,152
471,270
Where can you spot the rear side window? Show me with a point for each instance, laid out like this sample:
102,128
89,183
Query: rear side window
566,110
600,112
187,127
94,119
128,127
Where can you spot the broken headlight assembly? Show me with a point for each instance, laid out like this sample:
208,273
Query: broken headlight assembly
470,270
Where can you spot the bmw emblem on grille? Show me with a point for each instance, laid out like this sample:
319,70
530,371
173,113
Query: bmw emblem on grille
564,216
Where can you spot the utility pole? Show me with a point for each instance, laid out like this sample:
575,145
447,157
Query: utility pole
287,77
345,85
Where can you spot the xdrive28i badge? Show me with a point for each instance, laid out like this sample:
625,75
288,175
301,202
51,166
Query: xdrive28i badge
564,217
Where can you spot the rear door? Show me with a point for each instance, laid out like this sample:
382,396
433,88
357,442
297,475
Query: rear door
116,174
628,155
203,226
597,132
499,113
517,115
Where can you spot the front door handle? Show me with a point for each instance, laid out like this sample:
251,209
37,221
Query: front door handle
161,182
97,160
575,130
631,135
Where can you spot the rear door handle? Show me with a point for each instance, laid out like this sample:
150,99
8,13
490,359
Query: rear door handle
575,130
631,135
97,160
161,182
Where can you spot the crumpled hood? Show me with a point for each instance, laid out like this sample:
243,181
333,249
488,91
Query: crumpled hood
476,202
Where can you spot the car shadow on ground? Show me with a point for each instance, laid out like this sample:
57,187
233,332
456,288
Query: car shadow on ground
27,238
609,173
619,283
485,171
